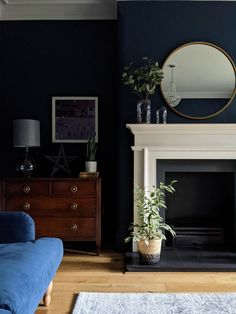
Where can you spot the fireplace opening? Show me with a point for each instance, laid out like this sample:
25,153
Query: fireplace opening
202,209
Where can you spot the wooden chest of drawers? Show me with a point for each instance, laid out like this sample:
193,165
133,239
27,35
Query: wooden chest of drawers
69,209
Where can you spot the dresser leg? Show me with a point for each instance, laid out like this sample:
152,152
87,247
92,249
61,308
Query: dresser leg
97,248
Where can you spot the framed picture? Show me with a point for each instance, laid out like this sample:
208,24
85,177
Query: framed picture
74,118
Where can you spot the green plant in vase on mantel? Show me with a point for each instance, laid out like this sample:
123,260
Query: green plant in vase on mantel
149,230
143,80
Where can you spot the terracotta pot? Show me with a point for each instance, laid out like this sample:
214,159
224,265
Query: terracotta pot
149,254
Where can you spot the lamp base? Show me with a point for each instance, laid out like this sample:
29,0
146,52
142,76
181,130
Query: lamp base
26,167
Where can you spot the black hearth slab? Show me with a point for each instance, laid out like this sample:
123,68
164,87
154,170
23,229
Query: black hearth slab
175,259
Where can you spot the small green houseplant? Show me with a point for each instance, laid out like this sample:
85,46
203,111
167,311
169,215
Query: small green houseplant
143,80
150,228
91,149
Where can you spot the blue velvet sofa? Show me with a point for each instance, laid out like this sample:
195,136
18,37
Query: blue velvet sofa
27,266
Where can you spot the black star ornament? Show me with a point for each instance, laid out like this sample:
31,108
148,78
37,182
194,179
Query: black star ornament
61,161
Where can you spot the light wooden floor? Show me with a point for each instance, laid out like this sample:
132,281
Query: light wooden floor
104,273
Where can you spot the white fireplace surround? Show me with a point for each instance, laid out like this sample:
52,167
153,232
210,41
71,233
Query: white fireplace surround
178,141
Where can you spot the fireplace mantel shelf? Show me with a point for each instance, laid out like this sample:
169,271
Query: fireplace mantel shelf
185,148
180,128
185,136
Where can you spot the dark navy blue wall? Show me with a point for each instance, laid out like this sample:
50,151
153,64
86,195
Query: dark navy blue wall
41,59
154,29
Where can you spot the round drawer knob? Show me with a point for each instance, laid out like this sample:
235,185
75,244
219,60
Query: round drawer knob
74,227
26,206
73,189
26,189
74,206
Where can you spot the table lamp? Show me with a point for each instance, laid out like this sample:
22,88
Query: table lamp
26,133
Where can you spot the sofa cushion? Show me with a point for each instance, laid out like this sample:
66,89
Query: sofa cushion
16,227
26,269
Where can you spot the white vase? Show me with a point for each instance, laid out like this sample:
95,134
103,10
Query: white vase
90,166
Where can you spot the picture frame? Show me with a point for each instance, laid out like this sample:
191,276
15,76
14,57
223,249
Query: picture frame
74,118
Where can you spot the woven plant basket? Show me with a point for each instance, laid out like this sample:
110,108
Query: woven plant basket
149,254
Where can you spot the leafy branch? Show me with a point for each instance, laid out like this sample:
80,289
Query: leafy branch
143,80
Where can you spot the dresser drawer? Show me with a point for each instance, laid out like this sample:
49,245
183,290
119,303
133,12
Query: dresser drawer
69,229
73,187
25,187
53,206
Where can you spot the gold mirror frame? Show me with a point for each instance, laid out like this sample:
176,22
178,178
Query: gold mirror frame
230,99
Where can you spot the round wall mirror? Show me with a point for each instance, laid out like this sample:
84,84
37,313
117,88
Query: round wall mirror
199,80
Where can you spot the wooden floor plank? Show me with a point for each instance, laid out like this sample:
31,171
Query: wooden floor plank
104,273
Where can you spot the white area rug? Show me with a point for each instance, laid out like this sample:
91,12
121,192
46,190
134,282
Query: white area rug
155,303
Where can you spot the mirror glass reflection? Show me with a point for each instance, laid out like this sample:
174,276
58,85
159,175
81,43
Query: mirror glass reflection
199,80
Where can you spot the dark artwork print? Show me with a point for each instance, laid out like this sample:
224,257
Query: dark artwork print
75,119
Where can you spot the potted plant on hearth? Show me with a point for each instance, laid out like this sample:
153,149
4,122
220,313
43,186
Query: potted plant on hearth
91,149
149,230
143,80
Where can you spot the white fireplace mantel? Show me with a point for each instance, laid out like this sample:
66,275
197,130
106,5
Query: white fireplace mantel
178,141
154,142
184,135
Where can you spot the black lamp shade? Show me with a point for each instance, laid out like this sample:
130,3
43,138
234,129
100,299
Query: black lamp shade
26,133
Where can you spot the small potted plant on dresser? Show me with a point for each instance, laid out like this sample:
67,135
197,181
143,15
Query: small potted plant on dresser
150,228
91,149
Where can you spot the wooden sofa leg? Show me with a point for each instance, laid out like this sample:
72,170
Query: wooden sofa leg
47,295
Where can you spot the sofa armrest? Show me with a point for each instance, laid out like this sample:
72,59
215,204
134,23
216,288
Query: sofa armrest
16,227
